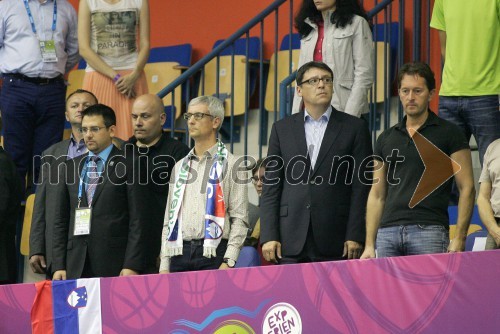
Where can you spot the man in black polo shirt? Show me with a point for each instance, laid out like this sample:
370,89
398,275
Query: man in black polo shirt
414,164
156,155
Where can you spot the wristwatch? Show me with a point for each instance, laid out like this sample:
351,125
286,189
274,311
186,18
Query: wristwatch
230,263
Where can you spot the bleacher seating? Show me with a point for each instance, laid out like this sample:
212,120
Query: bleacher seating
226,79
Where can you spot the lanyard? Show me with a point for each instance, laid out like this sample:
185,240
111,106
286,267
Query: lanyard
32,21
82,176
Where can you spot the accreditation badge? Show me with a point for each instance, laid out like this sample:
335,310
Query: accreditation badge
48,50
82,221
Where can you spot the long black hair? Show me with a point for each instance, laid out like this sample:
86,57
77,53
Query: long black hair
341,17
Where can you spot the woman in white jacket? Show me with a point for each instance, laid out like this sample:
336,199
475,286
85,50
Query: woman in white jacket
337,33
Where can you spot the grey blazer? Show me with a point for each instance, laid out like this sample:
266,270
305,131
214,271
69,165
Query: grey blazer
44,209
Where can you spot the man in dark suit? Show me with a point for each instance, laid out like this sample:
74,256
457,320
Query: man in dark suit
157,154
98,227
315,185
57,154
10,204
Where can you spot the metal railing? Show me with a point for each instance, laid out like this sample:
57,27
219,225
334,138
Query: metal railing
197,71
381,15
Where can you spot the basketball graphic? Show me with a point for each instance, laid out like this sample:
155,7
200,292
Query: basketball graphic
256,278
198,289
381,310
20,299
233,327
136,303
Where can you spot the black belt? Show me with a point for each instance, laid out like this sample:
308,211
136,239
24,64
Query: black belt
36,81
195,242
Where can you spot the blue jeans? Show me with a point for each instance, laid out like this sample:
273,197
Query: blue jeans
476,115
412,240
33,120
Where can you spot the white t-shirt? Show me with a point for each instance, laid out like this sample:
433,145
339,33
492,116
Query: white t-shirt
114,32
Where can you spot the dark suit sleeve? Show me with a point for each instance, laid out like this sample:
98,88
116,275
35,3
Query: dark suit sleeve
271,192
362,149
136,194
61,215
37,233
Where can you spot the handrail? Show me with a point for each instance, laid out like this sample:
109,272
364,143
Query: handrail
289,79
378,8
212,54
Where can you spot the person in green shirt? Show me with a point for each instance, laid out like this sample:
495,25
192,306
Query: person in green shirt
469,33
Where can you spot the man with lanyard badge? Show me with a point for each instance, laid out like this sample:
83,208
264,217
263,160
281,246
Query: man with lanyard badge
98,225
38,46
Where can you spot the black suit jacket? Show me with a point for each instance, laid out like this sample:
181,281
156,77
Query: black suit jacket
116,236
45,207
294,198
10,205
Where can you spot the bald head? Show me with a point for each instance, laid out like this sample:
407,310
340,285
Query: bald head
150,101
148,117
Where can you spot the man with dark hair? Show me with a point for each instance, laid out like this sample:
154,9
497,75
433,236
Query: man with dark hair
412,212
10,204
313,199
43,212
98,224
156,154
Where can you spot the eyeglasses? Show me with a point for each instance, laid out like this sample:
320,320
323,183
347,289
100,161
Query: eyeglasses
406,91
197,115
256,179
315,81
93,129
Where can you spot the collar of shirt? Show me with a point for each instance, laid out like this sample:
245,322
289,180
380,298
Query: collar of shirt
76,148
325,117
104,155
206,155
432,119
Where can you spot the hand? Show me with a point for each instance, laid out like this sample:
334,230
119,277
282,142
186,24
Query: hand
352,249
369,253
126,83
164,272
224,266
37,264
271,251
496,235
457,244
128,272
59,275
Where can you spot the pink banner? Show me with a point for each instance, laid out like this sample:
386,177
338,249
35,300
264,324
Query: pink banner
441,293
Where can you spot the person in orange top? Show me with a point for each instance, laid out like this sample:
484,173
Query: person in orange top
107,38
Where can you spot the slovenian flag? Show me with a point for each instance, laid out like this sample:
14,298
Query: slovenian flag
71,306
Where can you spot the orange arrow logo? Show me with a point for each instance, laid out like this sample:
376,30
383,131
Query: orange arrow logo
439,168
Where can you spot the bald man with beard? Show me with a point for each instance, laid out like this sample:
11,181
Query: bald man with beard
156,154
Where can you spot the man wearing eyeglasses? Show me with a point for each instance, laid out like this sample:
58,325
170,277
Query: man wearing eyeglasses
407,211
313,199
98,224
156,154
206,215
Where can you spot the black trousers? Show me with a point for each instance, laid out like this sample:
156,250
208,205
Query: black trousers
192,257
